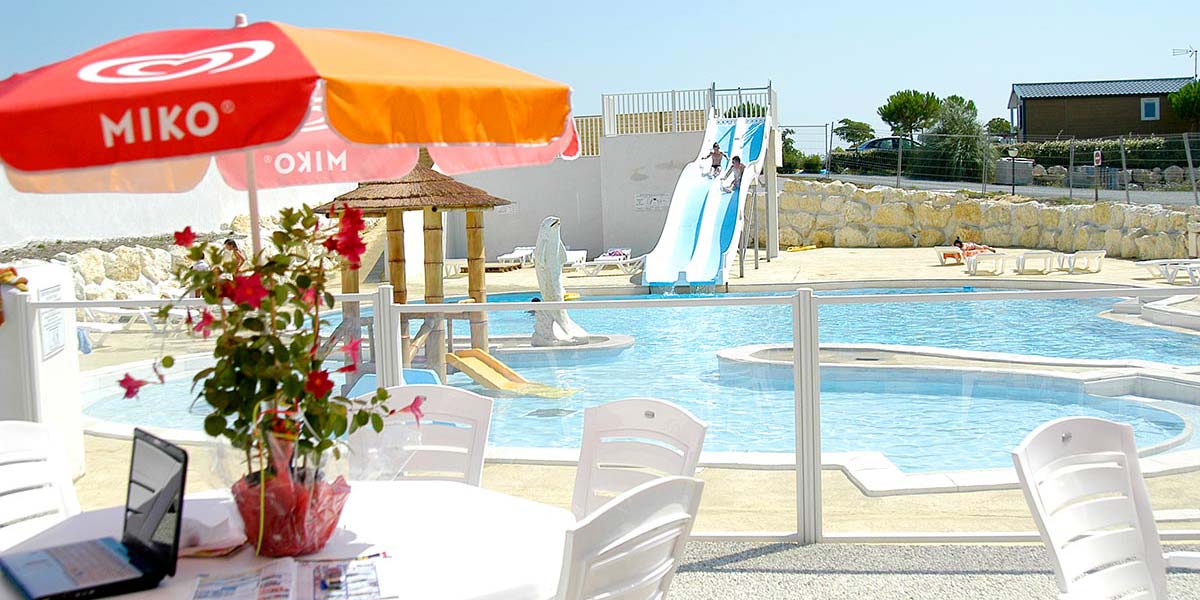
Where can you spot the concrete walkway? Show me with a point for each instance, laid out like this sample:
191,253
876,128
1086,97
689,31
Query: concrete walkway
880,572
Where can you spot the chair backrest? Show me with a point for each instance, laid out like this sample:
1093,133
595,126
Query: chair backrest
453,433
35,481
629,549
1084,487
629,442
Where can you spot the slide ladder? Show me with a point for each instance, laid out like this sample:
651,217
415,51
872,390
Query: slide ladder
488,371
705,220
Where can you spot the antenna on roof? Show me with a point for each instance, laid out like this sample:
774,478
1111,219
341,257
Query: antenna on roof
1189,51
239,20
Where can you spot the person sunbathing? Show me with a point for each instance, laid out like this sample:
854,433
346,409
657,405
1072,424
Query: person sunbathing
971,248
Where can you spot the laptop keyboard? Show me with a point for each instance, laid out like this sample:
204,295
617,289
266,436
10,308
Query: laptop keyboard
92,563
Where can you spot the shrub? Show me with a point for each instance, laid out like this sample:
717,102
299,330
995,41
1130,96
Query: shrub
813,163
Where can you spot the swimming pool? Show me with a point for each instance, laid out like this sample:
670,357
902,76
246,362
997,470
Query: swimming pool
921,425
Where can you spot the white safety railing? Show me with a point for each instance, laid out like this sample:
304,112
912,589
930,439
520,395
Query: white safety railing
590,129
655,112
742,102
24,316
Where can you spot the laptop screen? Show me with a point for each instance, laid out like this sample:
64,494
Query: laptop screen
154,506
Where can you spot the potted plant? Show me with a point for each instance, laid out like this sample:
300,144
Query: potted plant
268,392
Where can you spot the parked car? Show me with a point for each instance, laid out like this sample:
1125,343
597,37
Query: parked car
887,143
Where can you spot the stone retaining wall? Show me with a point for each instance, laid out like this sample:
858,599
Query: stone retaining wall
844,215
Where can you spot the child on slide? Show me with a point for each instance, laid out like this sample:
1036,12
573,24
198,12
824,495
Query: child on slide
717,156
737,167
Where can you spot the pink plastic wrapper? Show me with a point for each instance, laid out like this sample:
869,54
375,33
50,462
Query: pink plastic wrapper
297,517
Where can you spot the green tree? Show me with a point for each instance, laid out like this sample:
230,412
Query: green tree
746,109
909,110
1186,103
999,126
793,158
855,132
955,147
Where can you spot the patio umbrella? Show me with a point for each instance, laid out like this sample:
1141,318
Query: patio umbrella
151,111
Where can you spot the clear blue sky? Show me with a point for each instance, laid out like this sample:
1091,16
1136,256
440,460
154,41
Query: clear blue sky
828,60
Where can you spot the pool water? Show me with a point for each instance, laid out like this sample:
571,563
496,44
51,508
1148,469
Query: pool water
922,424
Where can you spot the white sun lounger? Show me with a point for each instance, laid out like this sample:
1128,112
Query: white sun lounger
1084,261
1048,259
520,254
1167,268
101,329
628,266
946,254
575,259
988,263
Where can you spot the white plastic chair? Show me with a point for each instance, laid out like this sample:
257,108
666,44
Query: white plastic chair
629,549
629,442
35,481
1084,487
453,433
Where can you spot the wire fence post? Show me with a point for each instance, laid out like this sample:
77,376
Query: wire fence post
1071,172
984,161
1187,150
1124,172
899,158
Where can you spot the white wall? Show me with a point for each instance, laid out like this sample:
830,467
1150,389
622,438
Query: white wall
569,190
29,217
641,164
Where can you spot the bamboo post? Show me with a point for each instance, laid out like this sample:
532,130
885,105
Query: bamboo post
397,274
435,346
476,285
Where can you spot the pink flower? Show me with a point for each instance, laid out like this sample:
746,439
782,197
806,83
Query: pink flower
185,238
131,385
309,296
246,289
414,409
318,383
347,242
204,325
353,351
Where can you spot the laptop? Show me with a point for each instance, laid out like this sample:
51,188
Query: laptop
149,544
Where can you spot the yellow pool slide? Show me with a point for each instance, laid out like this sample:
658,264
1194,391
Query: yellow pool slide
489,372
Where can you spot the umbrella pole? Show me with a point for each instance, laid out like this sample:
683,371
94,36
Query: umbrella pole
252,196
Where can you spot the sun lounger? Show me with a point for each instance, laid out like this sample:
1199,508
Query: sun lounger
1045,261
1167,268
988,263
520,254
946,254
575,258
101,329
628,266
1084,261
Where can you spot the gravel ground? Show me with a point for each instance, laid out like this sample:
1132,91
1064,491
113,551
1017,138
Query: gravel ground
885,571
46,249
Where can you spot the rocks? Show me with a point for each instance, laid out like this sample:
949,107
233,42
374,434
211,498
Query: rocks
90,264
1174,174
123,264
894,214
843,215
853,236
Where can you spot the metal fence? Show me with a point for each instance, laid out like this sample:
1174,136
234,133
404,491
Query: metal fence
680,110
590,129
1144,169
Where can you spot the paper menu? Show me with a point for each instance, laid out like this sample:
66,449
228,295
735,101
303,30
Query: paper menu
275,581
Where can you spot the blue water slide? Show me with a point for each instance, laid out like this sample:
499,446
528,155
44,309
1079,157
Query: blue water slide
719,222
677,243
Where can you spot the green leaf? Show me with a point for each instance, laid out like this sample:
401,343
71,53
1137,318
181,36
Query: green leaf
167,362
376,423
303,281
214,425
329,299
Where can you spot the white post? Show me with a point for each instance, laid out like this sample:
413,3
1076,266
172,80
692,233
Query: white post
772,199
387,337
252,196
806,374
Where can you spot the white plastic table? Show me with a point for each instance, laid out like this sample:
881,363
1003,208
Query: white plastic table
449,541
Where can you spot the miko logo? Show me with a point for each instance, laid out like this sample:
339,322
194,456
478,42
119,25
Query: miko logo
200,120
165,67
